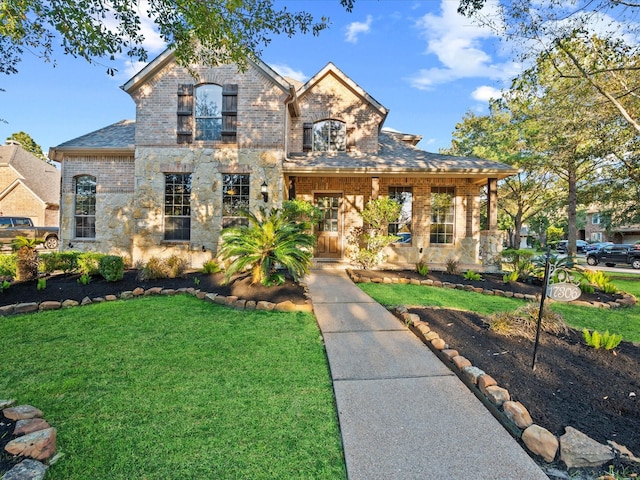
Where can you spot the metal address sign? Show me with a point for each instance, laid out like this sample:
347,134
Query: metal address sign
561,287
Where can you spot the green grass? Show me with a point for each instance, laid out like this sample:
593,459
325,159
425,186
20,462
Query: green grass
173,387
405,294
624,321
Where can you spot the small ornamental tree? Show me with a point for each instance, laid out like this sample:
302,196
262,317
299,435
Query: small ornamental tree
368,241
271,239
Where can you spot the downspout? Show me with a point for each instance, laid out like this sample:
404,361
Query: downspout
291,97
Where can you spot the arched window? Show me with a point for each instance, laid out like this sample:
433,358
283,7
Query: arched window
329,136
85,206
208,112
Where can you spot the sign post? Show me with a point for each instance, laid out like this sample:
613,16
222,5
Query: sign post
558,285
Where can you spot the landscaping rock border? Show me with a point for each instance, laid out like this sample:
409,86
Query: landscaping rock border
575,449
230,301
35,441
626,299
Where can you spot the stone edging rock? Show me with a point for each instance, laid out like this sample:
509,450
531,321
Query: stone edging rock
35,440
574,448
626,299
231,301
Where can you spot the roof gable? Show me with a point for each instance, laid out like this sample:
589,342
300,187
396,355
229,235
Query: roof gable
168,56
331,69
40,177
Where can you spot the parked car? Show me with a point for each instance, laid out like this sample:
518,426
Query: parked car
12,227
597,246
614,254
581,246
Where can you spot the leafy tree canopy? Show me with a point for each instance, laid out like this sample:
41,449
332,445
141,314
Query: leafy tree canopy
28,143
209,32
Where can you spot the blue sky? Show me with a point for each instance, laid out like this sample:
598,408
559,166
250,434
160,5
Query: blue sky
419,59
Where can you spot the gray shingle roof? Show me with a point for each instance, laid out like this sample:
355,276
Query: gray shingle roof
42,178
120,135
395,157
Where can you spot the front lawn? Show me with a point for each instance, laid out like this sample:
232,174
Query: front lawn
173,387
624,321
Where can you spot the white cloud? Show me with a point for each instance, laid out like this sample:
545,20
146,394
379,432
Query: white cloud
356,28
287,71
461,47
486,93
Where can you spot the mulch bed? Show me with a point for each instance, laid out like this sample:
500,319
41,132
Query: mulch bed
572,384
66,287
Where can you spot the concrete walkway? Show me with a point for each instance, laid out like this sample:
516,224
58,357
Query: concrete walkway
403,414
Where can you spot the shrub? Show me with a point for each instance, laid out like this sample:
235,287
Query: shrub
153,269
519,261
422,268
270,239
473,276
89,263
4,285
605,340
452,265
523,322
170,267
510,277
8,265
177,266
65,261
600,279
42,284
210,267
367,242
84,279
111,267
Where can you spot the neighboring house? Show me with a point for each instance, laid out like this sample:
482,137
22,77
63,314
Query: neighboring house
595,230
29,186
203,147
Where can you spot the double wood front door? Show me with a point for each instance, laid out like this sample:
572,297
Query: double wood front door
329,230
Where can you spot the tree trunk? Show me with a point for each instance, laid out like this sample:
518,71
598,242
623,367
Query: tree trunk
572,216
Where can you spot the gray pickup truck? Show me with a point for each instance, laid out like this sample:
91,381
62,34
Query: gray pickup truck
12,227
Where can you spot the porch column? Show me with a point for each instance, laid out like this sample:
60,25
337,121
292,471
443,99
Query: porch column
375,187
492,203
491,238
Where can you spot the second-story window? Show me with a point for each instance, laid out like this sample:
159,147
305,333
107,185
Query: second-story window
329,136
85,206
208,112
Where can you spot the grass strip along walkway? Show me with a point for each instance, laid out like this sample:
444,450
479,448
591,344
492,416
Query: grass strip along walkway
624,321
173,387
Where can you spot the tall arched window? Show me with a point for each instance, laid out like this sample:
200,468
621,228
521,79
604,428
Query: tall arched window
85,206
208,112
329,136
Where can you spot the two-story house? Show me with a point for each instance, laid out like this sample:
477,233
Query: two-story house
208,143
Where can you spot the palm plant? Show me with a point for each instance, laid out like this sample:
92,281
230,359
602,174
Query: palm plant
270,239
26,258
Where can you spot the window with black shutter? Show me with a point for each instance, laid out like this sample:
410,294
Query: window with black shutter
185,114
229,113
307,137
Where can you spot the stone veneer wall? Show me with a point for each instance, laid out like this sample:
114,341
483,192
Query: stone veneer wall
114,203
206,167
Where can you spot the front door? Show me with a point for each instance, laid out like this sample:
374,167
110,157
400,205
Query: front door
329,230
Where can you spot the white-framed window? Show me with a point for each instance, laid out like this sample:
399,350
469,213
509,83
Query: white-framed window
329,136
596,237
402,227
177,206
442,215
85,206
235,198
208,112
596,219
